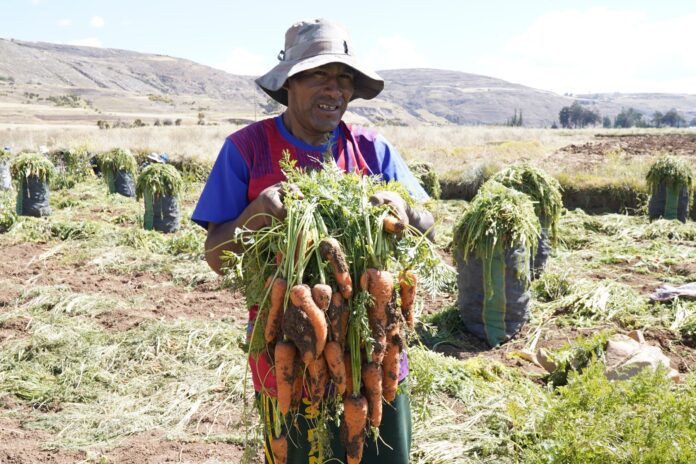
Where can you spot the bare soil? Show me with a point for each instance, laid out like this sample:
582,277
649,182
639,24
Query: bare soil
594,153
21,269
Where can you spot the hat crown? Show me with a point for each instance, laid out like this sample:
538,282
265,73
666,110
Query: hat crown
306,39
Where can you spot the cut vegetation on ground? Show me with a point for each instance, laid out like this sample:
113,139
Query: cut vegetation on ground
118,344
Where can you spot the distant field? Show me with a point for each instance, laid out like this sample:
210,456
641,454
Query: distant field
453,150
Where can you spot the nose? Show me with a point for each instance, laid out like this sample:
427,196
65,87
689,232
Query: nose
332,85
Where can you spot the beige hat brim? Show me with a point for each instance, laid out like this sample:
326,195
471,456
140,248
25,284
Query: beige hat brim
368,84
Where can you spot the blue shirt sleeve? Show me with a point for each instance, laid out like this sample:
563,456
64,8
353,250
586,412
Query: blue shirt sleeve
393,167
224,195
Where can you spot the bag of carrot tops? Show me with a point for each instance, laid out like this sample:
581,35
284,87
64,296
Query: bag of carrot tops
32,172
335,291
670,179
494,241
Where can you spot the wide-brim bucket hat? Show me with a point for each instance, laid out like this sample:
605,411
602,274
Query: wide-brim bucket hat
309,44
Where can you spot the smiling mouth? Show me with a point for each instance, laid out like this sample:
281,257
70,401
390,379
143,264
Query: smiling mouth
324,107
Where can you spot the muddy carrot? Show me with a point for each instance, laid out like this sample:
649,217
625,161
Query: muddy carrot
285,355
318,378
347,364
275,310
353,432
337,314
279,446
372,380
330,250
301,296
321,294
407,290
298,328
393,225
390,371
379,284
334,359
297,387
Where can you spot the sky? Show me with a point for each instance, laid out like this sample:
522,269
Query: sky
557,45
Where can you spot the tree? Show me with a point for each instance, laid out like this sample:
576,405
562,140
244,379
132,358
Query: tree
564,117
577,116
201,119
606,122
657,119
629,118
516,120
673,119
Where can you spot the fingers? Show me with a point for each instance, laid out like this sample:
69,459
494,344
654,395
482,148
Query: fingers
273,204
394,200
272,200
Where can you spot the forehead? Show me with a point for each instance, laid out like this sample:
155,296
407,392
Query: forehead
332,67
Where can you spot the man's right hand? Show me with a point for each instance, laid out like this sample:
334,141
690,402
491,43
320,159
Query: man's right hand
258,214
268,205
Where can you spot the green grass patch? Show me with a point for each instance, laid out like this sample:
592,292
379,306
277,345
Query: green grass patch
594,420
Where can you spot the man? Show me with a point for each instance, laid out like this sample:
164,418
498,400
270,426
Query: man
317,76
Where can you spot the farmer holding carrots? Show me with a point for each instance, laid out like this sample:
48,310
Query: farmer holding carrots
317,76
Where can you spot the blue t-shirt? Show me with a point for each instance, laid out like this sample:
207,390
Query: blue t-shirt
226,192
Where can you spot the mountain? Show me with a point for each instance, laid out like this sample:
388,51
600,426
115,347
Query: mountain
52,83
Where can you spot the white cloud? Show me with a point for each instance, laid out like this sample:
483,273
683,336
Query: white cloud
65,22
242,61
600,50
87,42
96,21
395,52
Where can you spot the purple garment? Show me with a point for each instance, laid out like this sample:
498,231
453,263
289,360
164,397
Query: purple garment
224,196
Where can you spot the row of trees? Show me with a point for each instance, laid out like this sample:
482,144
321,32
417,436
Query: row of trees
577,116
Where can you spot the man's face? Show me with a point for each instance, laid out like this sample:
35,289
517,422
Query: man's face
317,100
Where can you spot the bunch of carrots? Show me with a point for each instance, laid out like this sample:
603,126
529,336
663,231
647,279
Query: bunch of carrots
338,344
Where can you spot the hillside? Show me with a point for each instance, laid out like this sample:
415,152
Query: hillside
52,83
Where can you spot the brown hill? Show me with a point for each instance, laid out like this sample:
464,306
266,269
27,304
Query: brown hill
44,82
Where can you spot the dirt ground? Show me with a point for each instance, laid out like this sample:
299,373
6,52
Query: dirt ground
593,153
20,269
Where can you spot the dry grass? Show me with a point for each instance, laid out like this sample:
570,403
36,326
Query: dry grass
449,148
196,141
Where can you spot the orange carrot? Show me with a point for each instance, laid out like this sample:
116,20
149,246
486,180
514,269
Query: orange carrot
353,427
338,318
347,364
275,310
379,284
298,328
318,378
372,380
297,387
279,446
301,296
330,250
285,354
393,225
390,371
407,290
321,294
334,359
